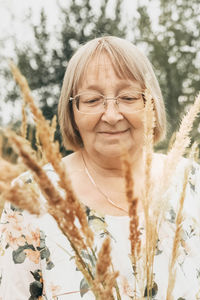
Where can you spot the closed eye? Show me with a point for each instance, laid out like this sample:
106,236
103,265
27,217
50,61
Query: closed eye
92,100
129,98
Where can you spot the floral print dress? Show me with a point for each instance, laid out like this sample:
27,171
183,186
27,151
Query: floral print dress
37,262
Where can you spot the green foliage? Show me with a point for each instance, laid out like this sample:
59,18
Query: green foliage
174,52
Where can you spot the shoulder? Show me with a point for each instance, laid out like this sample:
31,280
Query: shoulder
72,161
160,160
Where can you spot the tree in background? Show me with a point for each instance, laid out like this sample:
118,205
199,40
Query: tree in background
173,48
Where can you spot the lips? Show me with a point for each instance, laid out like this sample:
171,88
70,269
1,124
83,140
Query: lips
114,132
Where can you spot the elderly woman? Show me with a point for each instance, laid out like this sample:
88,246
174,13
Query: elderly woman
101,110
103,86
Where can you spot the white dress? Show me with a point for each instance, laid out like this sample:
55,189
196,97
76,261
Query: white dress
36,260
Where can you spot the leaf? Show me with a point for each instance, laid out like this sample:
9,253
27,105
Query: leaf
153,291
44,253
19,255
84,287
50,265
14,208
36,288
88,257
42,240
93,217
42,235
36,274
29,180
28,246
172,215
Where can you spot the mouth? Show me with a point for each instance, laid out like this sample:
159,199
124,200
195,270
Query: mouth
114,132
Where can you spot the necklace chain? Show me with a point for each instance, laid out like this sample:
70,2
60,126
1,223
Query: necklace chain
99,189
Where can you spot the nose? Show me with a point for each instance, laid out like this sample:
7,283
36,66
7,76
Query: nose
111,114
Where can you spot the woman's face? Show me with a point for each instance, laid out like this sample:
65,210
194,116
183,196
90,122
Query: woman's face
105,133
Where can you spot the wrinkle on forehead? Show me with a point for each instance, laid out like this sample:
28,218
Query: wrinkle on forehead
102,61
101,76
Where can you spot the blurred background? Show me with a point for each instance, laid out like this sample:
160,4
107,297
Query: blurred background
41,36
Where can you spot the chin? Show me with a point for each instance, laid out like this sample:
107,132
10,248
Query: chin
112,151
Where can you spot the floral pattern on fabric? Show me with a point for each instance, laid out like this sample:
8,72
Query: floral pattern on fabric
54,275
25,241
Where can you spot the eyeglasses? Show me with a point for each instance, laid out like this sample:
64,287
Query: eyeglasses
93,103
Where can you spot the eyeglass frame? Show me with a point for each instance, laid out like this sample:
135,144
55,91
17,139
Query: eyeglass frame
105,102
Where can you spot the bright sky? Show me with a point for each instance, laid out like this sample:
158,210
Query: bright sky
13,13
14,21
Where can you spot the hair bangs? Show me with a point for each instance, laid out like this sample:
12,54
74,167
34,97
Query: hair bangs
100,48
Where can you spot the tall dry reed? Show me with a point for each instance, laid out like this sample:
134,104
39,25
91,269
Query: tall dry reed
24,121
9,171
105,278
134,230
150,220
177,240
25,198
178,148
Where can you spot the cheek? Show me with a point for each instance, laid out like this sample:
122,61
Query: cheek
136,121
85,123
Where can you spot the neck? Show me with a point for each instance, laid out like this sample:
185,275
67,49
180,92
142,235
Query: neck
112,167
110,180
